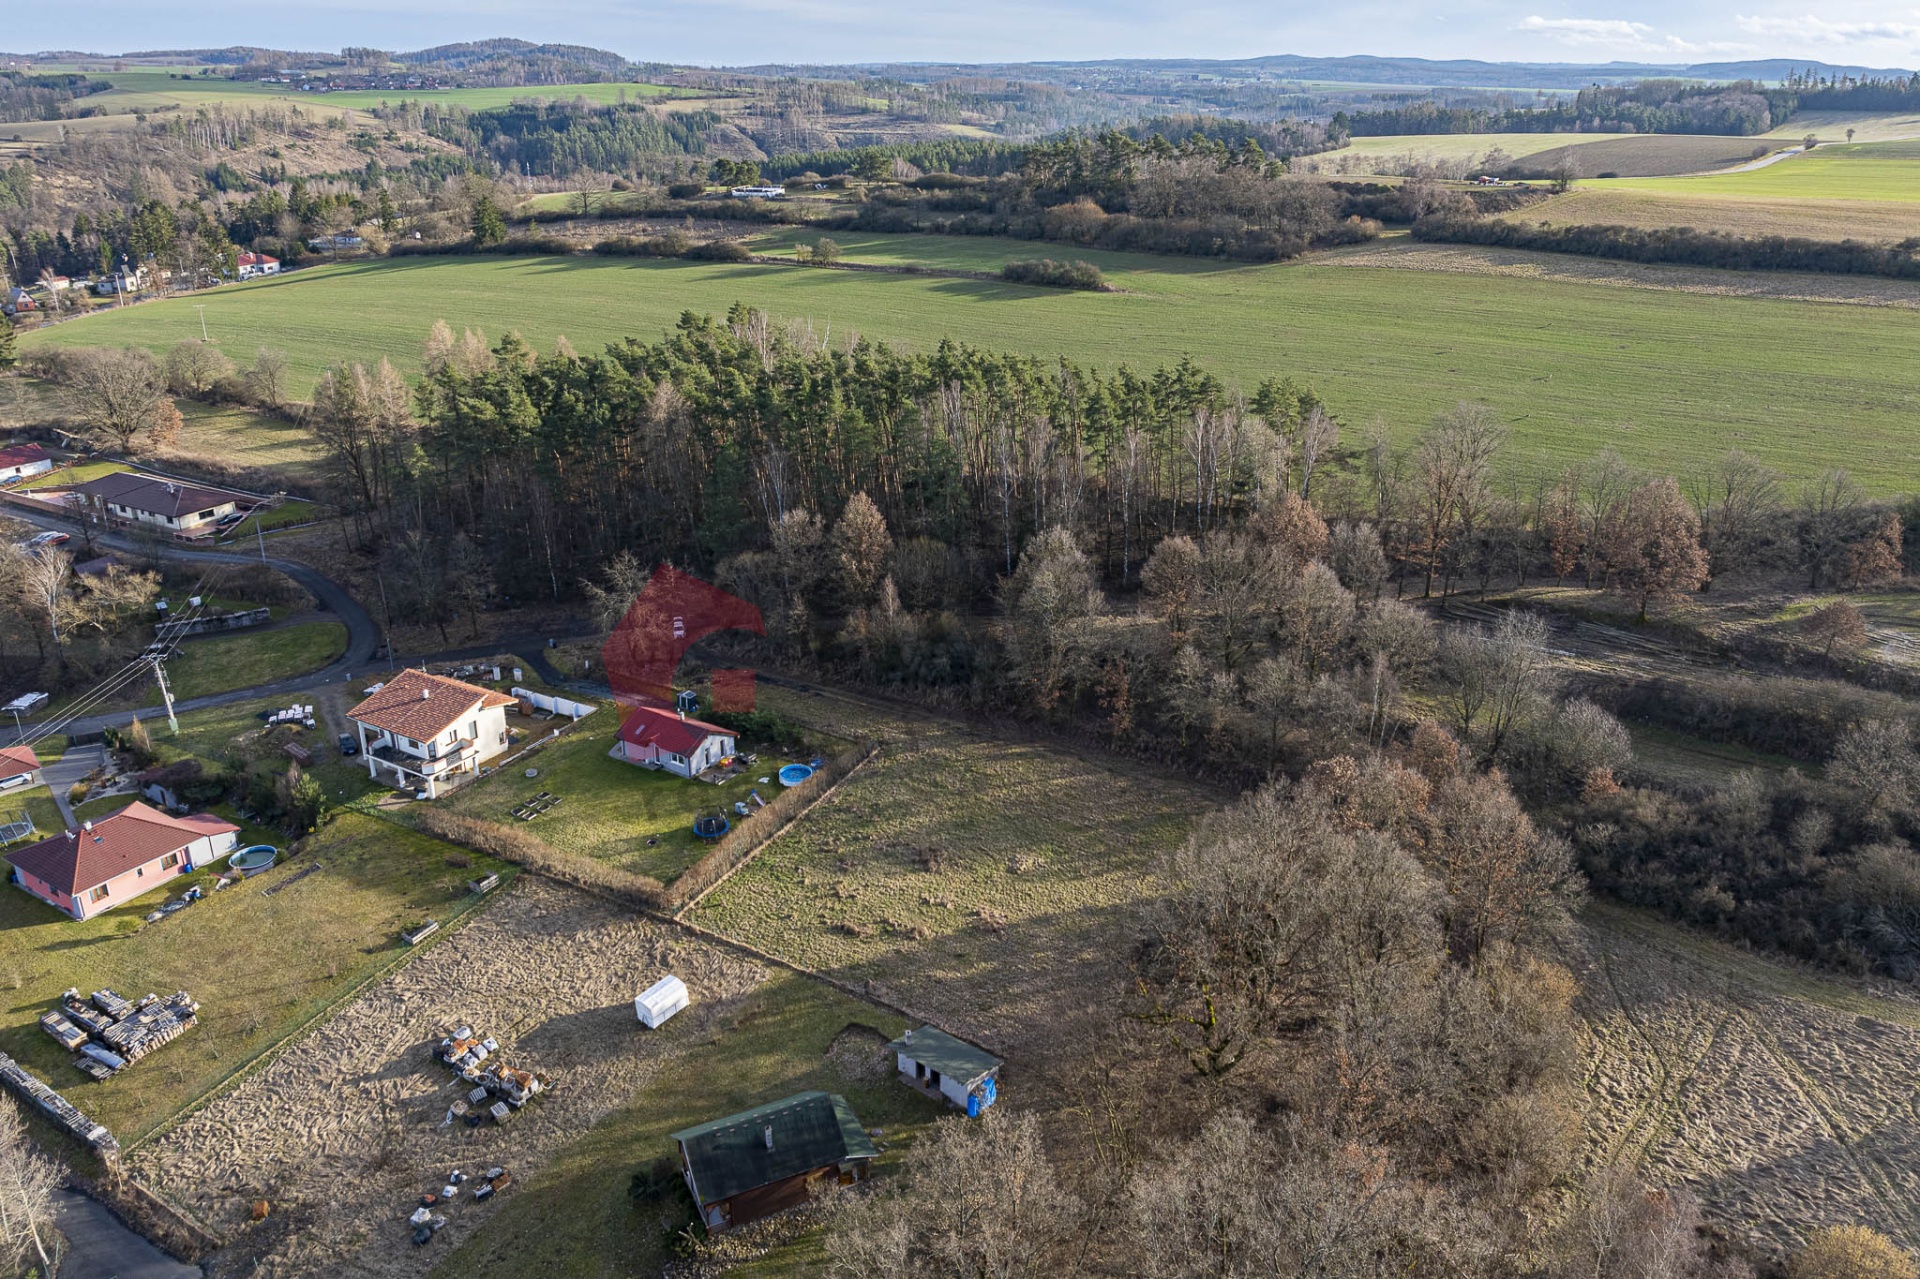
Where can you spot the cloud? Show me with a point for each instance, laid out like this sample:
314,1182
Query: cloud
1812,30
1620,35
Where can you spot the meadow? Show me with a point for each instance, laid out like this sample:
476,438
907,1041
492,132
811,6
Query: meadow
1626,203
1670,379
1869,171
988,881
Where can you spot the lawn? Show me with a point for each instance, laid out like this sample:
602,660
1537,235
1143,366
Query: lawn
775,1043
66,477
990,881
1670,379
1872,171
609,809
245,437
221,663
263,966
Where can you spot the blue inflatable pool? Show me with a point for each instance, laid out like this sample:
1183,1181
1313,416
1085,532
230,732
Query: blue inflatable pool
794,774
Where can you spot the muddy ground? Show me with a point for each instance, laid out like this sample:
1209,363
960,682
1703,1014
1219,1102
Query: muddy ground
1784,1099
343,1132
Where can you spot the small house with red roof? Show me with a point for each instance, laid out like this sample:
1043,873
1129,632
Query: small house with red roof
23,461
19,767
107,863
254,264
426,731
656,737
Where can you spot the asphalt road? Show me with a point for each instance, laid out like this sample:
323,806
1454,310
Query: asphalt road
103,1248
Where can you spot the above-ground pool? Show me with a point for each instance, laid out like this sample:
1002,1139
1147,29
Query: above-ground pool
253,860
794,774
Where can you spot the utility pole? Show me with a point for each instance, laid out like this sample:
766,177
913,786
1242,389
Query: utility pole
201,307
166,695
261,534
388,614
19,733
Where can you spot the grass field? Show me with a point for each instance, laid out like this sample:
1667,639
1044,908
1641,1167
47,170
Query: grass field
234,952
1877,172
1623,153
780,1040
221,663
1669,379
1650,155
991,882
1460,146
1625,204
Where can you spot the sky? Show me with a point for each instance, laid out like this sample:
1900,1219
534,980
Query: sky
1882,33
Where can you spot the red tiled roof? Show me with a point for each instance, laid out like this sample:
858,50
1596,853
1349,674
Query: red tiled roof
399,707
255,259
22,455
15,760
81,859
665,730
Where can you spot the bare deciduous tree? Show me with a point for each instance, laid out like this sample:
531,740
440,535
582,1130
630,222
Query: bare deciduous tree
28,1180
116,392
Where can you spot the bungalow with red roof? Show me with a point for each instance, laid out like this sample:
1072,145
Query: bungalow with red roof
252,264
23,461
19,767
424,730
659,738
105,863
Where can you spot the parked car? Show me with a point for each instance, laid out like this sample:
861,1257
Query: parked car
40,541
230,519
347,745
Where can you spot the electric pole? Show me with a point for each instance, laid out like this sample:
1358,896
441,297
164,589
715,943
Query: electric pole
201,307
261,534
166,695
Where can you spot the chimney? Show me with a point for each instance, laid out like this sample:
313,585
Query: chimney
425,693
87,826
768,1132
907,1038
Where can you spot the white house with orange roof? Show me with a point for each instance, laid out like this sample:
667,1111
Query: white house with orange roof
424,732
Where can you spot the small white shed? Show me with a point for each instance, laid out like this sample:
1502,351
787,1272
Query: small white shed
660,1001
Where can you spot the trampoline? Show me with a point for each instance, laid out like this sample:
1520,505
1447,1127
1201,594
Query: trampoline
711,824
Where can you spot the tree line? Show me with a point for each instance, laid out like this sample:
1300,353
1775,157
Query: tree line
1650,106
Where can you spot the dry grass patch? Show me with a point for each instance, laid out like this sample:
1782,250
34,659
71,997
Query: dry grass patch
993,884
1877,221
1783,1098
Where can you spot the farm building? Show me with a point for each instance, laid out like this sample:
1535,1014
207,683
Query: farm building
660,738
765,1160
23,461
143,499
19,767
938,1064
104,863
250,265
757,193
423,730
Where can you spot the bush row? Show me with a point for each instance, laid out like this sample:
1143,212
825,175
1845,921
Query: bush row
1802,719
1683,246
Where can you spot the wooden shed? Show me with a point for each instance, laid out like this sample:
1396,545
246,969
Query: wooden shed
765,1160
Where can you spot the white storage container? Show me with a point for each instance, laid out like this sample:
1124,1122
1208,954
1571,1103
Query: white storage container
660,1001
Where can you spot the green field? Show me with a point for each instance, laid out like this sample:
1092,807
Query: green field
1669,379
1873,171
230,952
221,663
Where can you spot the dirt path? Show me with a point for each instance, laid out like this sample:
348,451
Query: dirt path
343,1132
1782,1098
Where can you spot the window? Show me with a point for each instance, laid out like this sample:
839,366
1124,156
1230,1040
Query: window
97,894
169,861
473,731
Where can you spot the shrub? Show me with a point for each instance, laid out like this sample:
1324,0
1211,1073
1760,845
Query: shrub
687,190
673,244
1057,275
719,251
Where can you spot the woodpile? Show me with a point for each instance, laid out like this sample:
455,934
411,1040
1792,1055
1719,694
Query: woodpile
111,1032
62,1112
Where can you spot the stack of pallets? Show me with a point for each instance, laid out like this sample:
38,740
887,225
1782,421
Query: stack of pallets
57,1108
150,1023
110,1031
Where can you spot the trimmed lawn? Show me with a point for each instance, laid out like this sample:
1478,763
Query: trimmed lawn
776,1044
70,476
1670,379
263,966
609,808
